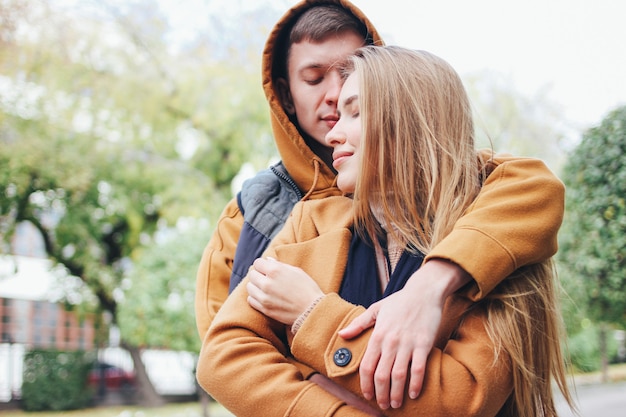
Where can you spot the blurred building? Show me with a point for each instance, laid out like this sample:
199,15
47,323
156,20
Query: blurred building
31,314
42,324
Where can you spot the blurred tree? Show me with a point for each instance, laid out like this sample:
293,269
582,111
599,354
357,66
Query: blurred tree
108,135
593,242
513,122
158,291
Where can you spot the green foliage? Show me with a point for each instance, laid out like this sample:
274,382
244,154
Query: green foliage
158,305
108,134
55,380
585,351
593,241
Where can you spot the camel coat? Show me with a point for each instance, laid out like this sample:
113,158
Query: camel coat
513,222
246,362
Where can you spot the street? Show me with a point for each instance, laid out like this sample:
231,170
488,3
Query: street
594,400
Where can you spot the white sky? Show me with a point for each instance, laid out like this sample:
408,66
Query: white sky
576,49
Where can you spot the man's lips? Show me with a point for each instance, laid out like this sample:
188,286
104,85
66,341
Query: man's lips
330,121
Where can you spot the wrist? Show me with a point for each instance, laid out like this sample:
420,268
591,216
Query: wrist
302,317
444,277
451,275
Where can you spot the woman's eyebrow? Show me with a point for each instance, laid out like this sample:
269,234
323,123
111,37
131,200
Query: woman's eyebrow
348,101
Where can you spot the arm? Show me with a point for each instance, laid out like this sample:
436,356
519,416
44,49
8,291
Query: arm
245,343
243,364
215,268
463,374
513,222
288,294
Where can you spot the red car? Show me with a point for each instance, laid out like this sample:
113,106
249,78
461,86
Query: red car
105,375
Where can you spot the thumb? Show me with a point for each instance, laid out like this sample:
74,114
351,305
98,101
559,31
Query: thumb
360,323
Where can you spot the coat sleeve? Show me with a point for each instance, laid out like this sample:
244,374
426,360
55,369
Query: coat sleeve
249,363
245,363
213,276
513,222
463,374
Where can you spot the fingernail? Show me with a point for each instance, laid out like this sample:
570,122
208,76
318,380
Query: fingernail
413,395
395,404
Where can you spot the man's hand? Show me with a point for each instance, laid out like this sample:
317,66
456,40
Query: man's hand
405,325
280,291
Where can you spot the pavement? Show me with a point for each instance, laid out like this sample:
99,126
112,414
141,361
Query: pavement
592,399
597,400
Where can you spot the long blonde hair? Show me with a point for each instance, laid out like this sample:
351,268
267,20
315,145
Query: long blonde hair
525,307
419,169
415,114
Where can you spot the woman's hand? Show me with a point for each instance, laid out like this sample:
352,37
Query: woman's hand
405,325
280,291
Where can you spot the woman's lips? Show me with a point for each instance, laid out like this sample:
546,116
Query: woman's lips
339,158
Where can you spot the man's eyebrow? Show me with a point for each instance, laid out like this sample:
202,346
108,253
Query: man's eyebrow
317,65
312,65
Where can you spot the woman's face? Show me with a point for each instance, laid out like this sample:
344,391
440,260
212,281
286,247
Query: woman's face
345,136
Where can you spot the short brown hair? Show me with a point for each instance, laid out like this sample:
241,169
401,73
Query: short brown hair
316,24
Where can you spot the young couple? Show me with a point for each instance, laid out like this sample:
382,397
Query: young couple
457,242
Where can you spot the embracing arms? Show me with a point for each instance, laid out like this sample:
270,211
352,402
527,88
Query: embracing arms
243,364
513,222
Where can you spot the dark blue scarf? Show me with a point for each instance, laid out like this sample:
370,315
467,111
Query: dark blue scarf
361,285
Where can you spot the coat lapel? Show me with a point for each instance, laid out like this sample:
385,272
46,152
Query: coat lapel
324,258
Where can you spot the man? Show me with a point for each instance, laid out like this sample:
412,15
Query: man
302,83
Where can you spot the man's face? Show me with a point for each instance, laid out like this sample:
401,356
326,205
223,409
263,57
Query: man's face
315,81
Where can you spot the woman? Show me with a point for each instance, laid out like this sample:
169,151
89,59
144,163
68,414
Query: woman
409,165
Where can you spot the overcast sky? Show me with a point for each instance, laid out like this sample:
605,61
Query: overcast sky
576,49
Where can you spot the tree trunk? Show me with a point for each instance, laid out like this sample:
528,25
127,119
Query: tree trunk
604,357
204,402
147,395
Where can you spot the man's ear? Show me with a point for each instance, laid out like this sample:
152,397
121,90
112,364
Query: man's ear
284,95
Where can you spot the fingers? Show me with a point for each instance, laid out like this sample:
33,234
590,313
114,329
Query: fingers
385,375
255,304
257,298
382,380
262,265
390,375
399,374
418,370
361,323
387,365
368,366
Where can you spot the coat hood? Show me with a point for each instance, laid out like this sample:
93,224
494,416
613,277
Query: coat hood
314,178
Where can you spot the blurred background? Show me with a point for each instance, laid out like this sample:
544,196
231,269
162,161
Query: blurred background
126,126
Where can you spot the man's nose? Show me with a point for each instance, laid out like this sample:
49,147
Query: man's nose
334,88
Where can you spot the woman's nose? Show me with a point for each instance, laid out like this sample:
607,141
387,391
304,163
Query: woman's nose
334,137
